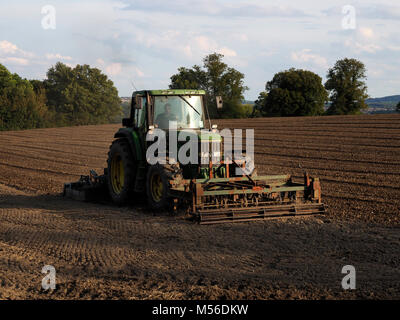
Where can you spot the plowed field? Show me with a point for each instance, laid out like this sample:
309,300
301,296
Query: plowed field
102,251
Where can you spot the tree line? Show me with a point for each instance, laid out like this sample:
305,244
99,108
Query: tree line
68,96
83,95
293,92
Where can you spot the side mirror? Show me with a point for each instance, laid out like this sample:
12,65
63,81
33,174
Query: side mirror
138,102
219,102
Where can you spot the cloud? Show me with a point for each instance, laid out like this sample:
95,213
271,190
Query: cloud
8,48
227,52
71,65
372,11
394,48
363,40
57,56
138,72
114,69
381,12
14,61
216,8
367,33
359,47
12,55
241,37
203,45
148,41
100,62
306,56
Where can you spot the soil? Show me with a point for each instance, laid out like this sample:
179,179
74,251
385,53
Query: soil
101,251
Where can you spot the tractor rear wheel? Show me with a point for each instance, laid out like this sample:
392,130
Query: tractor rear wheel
157,187
121,172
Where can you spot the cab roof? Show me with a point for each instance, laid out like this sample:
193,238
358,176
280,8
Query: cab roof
171,92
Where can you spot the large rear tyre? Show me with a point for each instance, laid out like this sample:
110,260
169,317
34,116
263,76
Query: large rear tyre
157,187
121,172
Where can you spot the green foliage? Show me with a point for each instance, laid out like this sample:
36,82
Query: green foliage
77,96
217,79
259,105
126,109
21,106
81,95
348,90
398,107
292,93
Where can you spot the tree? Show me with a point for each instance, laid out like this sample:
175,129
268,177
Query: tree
293,92
81,95
21,107
398,107
259,105
217,79
348,90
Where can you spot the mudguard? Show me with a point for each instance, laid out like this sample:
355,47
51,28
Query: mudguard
134,141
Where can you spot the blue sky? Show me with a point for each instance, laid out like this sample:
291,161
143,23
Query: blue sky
144,42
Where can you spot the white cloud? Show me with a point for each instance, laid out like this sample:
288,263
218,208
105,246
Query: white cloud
71,65
100,62
306,56
8,48
259,38
203,45
57,56
367,33
227,52
379,11
15,61
11,54
394,48
138,72
187,50
217,8
359,47
241,37
114,69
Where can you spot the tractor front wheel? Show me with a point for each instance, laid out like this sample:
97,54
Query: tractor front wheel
121,172
157,187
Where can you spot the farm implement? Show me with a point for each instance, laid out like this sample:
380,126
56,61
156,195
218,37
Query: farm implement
212,191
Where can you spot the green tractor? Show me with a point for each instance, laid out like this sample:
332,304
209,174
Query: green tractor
213,188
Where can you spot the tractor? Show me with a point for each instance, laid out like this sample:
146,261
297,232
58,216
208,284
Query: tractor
213,189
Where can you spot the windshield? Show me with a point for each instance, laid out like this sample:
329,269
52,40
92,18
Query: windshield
175,108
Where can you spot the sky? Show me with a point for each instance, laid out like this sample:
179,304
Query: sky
142,43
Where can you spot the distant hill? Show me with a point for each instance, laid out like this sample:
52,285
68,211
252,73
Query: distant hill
388,99
383,105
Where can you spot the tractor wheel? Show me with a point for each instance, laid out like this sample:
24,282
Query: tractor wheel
121,172
157,187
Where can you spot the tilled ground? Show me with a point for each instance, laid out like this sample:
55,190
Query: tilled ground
102,251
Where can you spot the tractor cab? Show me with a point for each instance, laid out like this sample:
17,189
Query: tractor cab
157,108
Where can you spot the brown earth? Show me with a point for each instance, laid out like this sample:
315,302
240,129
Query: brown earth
101,251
